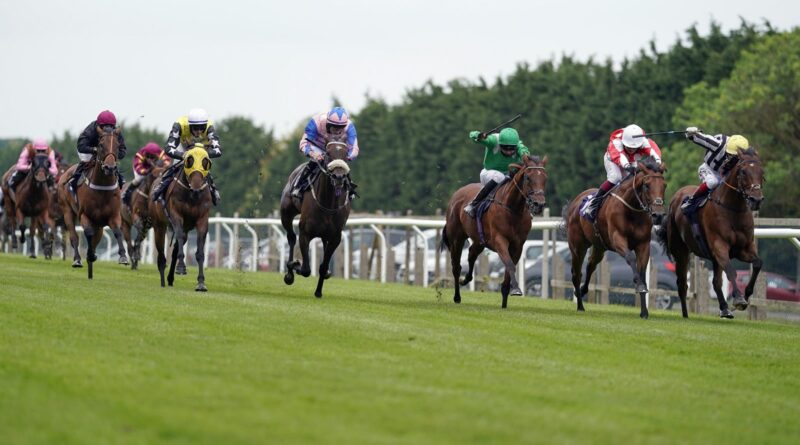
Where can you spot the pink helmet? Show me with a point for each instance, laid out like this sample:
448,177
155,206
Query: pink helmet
40,144
338,116
106,118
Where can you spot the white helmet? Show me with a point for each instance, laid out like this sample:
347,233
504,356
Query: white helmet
629,136
198,116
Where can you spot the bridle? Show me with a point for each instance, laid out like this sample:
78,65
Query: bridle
644,206
529,202
739,170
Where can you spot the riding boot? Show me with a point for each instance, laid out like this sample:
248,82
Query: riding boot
126,197
353,186
166,180
76,176
483,193
120,179
593,206
691,204
15,179
215,198
302,180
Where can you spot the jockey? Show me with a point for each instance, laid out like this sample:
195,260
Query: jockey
87,146
721,155
144,161
194,128
26,160
321,129
501,150
625,147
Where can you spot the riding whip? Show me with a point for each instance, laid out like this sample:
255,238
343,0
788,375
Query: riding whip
660,132
501,126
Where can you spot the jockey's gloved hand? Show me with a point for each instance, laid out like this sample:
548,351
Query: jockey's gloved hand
630,168
691,131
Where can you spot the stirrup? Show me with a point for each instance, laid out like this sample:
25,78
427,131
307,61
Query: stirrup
469,209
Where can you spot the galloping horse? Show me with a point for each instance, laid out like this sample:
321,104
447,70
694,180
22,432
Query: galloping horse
623,225
31,199
726,225
188,203
138,215
58,221
323,213
98,201
506,223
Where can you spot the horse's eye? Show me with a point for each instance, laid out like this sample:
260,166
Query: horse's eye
190,162
206,164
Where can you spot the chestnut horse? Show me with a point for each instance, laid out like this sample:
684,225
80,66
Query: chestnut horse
30,199
137,215
623,225
323,212
188,203
726,224
506,222
98,201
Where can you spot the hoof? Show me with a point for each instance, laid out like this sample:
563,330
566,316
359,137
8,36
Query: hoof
327,275
581,309
288,278
457,299
465,281
318,294
77,263
201,287
516,292
726,313
740,303
644,315
91,258
33,255
180,270
123,260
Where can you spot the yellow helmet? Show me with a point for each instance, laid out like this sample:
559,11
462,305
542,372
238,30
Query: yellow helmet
735,143
196,160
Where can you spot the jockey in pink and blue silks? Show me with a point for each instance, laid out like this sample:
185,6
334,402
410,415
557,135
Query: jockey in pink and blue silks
322,129
23,166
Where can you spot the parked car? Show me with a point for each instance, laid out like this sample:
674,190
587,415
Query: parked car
532,252
430,259
366,235
779,287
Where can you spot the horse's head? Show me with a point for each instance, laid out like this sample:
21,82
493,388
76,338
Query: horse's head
649,187
533,176
749,176
196,167
108,149
40,167
336,167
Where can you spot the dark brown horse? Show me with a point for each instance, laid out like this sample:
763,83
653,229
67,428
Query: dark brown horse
137,215
623,225
188,203
57,215
323,212
506,223
726,224
30,199
98,201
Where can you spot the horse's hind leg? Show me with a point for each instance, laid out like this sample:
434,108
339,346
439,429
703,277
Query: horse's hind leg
305,267
123,258
594,259
173,260
324,273
291,240
578,254
456,246
682,272
474,250
200,255
74,241
161,261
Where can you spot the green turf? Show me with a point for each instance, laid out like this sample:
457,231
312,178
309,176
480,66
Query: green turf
120,360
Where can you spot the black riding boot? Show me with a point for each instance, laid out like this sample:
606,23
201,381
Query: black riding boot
15,179
76,176
166,180
215,198
483,193
126,197
353,186
590,212
302,181
120,179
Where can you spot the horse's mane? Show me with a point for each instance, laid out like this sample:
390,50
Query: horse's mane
534,158
652,164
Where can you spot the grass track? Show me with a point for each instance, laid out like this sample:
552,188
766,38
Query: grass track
120,360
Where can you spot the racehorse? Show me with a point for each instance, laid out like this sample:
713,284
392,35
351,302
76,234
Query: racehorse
187,205
137,214
725,230
505,223
30,199
623,225
58,221
98,201
323,212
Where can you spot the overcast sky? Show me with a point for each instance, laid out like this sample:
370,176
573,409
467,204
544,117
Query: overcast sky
280,62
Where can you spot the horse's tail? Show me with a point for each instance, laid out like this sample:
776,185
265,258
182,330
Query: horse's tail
445,244
662,233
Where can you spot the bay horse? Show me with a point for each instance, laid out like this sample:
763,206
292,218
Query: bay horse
323,212
623,225
30,199
137,214
58,221
187,206
506,223
726,224
98,201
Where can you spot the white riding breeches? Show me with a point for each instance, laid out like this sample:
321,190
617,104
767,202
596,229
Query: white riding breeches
709,176
137,178
613,171
85,157
492,175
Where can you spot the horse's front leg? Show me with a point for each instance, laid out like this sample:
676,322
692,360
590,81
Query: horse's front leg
716,284
305,267
115,224
200,255
19,223
720,250
330,246
475,249
642,260
750,256
501,246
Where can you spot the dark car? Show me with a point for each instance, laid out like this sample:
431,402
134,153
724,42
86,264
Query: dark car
621,276
778,286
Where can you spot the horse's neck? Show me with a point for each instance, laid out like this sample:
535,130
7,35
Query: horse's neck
326,192
513,197
729,197
628,193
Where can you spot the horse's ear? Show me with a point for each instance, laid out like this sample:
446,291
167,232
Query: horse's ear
544,161
663,167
